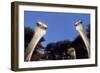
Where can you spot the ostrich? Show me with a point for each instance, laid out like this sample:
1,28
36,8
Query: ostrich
40,31
80,29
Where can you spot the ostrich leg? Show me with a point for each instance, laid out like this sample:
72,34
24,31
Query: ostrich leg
40,31
80,29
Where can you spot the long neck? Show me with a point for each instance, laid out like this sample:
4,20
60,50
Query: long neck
82,32
39,33
85,39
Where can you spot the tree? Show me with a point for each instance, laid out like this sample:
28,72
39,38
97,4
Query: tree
58,50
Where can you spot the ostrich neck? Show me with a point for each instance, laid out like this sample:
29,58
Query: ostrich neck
85,39
39,33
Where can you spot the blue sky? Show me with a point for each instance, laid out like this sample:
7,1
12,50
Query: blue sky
60,25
